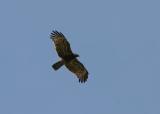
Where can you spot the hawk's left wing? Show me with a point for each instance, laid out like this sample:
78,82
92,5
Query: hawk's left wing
78,68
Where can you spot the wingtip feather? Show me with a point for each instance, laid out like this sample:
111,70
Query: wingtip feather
55,33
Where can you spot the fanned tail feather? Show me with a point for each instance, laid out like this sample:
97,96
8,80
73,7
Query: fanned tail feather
57,65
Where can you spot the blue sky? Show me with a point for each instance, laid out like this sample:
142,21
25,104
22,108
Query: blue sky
118,41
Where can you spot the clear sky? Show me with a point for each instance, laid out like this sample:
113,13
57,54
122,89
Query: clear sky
118,41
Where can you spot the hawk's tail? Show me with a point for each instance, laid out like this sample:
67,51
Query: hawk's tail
57,65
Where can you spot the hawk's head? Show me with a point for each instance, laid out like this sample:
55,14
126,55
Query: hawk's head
76,55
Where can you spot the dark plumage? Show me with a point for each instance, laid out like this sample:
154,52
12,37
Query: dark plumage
68,58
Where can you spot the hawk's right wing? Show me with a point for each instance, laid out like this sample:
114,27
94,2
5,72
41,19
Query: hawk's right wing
62,45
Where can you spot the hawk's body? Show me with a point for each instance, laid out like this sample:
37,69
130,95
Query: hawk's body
68,58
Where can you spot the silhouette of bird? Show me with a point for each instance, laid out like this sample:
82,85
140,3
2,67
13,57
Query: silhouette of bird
68,58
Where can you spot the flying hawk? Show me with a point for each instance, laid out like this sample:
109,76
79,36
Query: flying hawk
68,58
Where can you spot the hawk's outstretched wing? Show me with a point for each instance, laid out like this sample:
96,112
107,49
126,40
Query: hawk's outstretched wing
76,67
62,45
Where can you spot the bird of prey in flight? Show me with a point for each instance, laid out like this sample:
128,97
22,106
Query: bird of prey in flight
68,58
